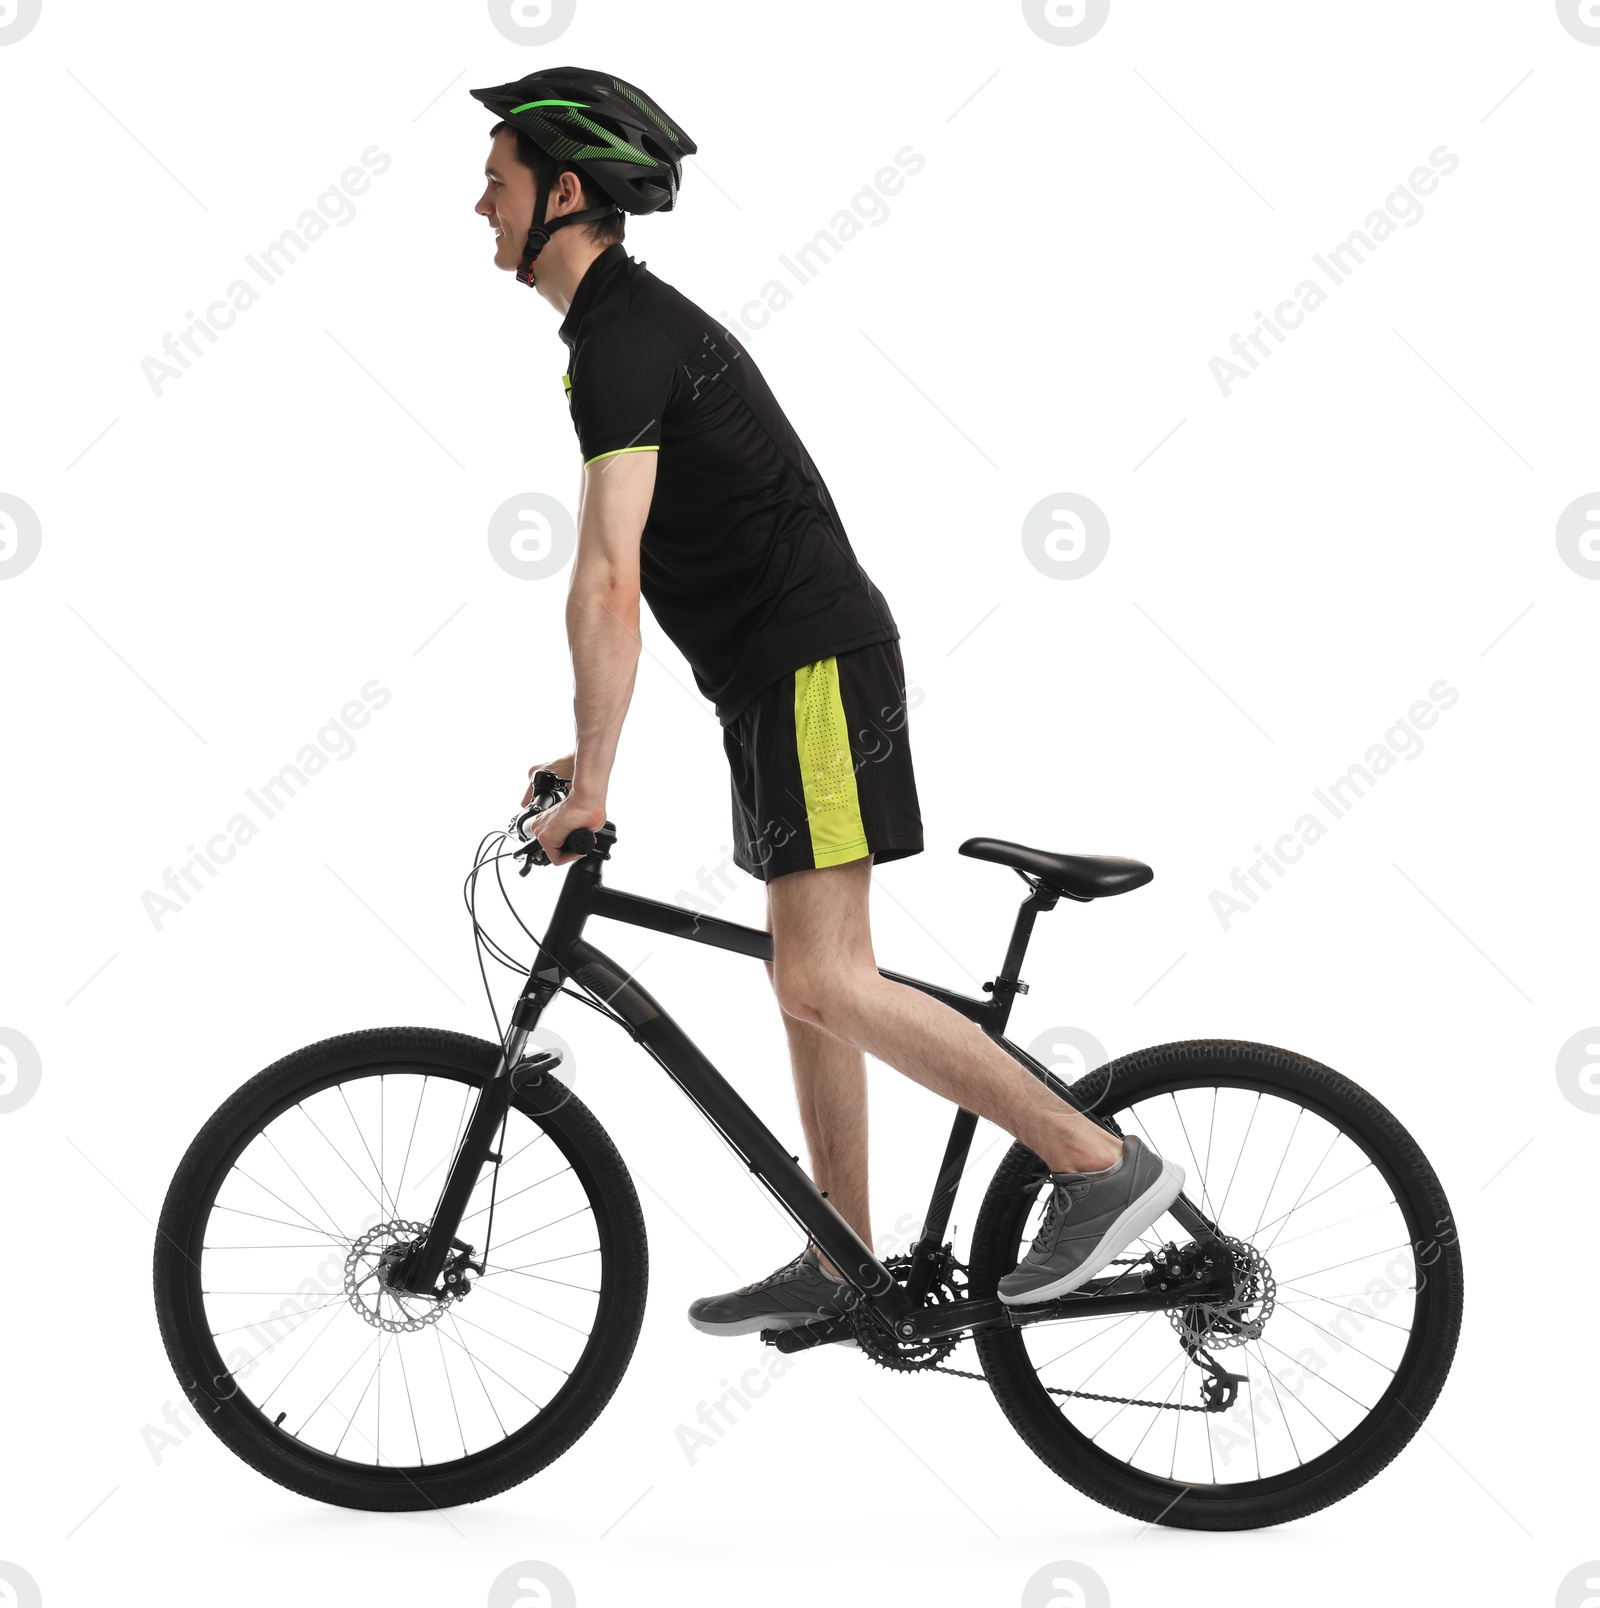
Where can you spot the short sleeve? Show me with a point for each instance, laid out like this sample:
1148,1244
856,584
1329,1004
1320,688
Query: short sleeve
621,377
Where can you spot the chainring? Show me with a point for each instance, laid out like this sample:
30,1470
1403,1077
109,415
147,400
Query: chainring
949,1287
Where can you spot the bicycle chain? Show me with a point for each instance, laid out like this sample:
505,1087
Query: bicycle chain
1087,1395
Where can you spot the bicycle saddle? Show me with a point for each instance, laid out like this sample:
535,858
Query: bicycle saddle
1078,876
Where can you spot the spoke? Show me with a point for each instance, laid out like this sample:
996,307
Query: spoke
538,1314
265,1134
593,1250
1284,1219
217,1206
411,1406
262,1404
1283,1417
1155,1418
1341,1342
1099,1334
1371,1316
543,1226
1382,1206
416,1117
377,1445
269,1293
389,1210
1254,1111
544,1278
1255,1435
1139,1392
1299,1112
1211,1134
1328,1382
455,1317
255,1323
309,1245
1340,1295
1139,1329
1285,1216
331,1388
335,1149
450,1386
349,1422
1405,1245
305,1222
504,1433
523,1191
1204,1201
1211,1452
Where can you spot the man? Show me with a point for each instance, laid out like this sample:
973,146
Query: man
698,495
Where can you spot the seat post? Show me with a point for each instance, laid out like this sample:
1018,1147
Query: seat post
1008,984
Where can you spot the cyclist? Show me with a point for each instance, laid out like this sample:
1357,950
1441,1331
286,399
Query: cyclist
698,496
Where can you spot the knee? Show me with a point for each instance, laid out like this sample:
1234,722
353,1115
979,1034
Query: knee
820,996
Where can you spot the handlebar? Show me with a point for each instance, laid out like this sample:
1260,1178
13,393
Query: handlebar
548,790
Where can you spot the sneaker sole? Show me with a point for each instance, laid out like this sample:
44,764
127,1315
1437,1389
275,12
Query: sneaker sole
1135,1219
773,1320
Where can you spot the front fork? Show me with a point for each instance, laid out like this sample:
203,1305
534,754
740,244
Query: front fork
421,1271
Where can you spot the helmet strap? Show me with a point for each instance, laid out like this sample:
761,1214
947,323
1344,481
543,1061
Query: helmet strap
539,233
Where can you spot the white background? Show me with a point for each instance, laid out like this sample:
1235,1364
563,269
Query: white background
224,565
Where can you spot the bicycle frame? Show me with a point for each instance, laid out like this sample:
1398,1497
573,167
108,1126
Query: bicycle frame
565,952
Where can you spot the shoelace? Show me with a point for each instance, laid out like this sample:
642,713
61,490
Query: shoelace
781,1276
789,1270
1060,1202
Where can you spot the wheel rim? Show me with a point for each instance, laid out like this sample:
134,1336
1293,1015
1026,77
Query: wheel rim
1340,1341
345,1373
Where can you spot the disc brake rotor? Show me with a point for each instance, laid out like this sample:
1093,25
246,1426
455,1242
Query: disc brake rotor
366,1280
1239,1318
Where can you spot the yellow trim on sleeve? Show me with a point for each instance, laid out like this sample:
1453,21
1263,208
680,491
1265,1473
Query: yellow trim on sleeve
617,454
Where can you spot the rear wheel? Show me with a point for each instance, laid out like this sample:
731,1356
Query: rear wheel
1348,1306
272,1275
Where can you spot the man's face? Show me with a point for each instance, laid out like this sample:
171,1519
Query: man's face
507,200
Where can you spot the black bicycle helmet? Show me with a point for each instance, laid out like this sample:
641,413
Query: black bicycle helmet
611,132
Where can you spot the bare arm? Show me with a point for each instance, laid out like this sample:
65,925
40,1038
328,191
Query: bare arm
602,633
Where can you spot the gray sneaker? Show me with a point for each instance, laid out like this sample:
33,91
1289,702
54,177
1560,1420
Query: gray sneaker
797,1294
1089,1218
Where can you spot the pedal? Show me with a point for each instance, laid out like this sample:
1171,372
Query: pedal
813,1334
526,1074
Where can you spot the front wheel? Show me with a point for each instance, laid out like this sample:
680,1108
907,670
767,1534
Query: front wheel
273,1261
1347,1304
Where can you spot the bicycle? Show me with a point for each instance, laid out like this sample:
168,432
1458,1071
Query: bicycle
501,1306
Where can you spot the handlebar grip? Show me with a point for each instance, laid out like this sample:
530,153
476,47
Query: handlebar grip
580,841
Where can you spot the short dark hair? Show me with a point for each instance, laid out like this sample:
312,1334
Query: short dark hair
545,168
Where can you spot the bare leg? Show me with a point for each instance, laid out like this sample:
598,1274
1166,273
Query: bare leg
830,1085
825,975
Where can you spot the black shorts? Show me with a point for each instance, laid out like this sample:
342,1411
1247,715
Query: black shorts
821,765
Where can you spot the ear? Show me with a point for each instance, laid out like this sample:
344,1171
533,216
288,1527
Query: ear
569,192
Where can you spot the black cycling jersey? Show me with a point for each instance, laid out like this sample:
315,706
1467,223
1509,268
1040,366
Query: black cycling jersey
744,560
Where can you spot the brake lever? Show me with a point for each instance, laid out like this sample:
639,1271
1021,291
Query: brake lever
549,790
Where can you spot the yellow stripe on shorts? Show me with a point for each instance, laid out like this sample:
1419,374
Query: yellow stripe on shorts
827,771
